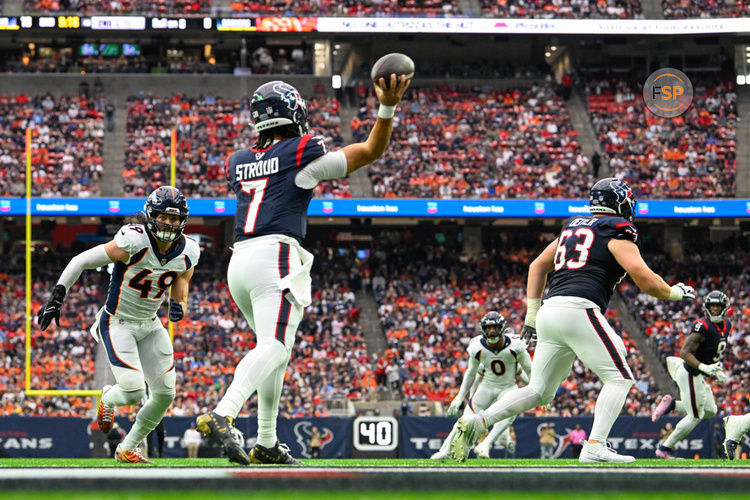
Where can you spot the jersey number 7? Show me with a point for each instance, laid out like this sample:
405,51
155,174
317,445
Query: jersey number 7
256,189
582,248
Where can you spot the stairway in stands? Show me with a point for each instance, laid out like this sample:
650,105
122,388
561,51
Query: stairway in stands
743,142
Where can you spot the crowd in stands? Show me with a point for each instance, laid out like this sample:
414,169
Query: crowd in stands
66,144
707,266
478,142
62,357
208,128
431,299
565,9
682,9
691,156
118,7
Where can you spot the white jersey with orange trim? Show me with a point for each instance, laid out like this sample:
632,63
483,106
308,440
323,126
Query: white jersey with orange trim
138,287
500,364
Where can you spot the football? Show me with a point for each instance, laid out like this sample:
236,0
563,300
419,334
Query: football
401,64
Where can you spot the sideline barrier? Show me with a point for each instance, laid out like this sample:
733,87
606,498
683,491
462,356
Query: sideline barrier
419,437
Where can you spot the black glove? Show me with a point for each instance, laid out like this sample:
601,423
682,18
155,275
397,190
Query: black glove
528,335
52,309
175,310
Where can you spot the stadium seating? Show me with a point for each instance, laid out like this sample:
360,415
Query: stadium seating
680,9
118,7
66,149
430,302
546,9
691,156
717,267
453,142
208,127
61,357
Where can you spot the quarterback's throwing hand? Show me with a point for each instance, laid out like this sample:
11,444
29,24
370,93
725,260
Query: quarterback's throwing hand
52,310
392,94
175,311
681,291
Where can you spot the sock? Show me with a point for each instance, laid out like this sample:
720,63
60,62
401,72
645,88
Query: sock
252,370
269,394
743,424
115,396
511,404
147,419
496,431
608,407
682,429
446,446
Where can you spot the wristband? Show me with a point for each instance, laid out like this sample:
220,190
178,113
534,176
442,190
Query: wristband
386,112
532,306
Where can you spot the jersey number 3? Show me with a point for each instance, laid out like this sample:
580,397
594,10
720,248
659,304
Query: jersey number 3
256,189
575,262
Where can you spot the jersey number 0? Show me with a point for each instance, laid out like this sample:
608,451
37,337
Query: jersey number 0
577,261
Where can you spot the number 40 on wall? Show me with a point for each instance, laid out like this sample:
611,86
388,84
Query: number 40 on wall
375,433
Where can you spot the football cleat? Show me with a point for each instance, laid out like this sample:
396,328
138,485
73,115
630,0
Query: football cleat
598,453
105,415
732,437
482,452
221,431
439,455
730,448
664,452
133,456
665,406
279,455
469,427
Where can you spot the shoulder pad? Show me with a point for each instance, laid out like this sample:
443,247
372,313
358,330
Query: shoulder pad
309,148
192,251
132,238
475,345
699,326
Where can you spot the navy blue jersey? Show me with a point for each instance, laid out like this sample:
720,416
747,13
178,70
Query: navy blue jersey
714,343
268,200
584,266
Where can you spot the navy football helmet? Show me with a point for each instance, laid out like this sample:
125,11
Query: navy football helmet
719,299
166,200
492,326
277,103
612,196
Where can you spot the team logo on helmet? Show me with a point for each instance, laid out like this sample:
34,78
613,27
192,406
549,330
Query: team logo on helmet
718,299
612,196
277,103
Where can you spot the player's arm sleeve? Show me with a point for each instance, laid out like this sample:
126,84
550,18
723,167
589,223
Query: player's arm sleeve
329,166
469,376
90,259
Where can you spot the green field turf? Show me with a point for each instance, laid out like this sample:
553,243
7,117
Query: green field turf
375,462
359,495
